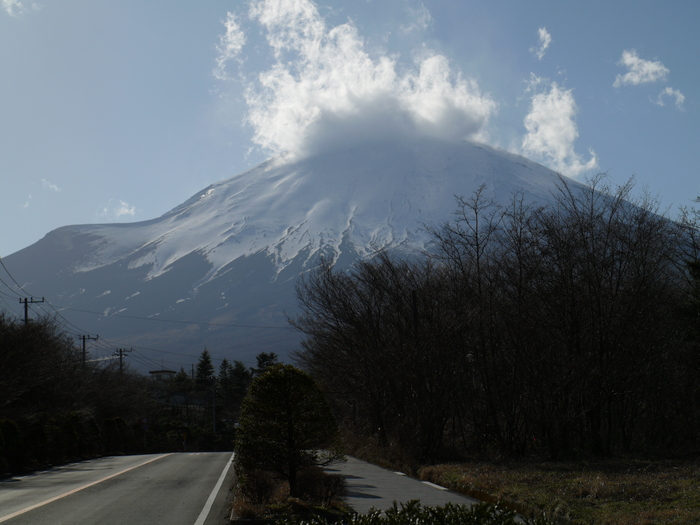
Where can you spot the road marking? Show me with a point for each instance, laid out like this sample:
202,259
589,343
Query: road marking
434,485
51,500
207,506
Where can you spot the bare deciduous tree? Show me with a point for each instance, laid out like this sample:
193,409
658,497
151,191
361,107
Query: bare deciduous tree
554,327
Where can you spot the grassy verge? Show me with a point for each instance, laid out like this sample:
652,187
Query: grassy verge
612,492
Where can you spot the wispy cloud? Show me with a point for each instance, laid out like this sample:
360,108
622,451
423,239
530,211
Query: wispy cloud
545,39
49,186
552,130
324,89
18,8
678,97
639,71
117,209
421,19
27,202
230,45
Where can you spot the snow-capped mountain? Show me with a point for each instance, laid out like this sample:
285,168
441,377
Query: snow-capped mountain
218,271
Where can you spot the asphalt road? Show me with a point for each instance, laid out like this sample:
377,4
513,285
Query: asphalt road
177,489
370,486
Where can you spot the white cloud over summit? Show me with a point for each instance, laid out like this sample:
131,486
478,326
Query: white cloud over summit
324,89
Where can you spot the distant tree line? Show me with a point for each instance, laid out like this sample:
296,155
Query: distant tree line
205,407
572,328
56,408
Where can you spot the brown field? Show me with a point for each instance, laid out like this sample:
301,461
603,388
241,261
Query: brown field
614,492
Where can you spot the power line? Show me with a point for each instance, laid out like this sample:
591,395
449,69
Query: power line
14,295
101,343
66,321
145,360
140,358
121,352
160,351
4,294
2,263
27,301
142,362
86,338
57,313
109,344
13,279
174,320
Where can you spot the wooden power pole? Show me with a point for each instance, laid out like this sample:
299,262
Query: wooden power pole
87,338
120,352
26,303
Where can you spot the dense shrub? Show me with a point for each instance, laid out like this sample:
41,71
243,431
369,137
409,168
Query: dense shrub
412,513
3,462
257,486
14,444
112,437
89,435
320,488
126,436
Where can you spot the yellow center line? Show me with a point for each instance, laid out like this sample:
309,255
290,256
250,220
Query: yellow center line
51,500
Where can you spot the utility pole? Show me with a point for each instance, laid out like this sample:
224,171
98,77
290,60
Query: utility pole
120,353
87,338
26,303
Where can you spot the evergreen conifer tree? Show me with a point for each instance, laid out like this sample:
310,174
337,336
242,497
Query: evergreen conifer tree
286,425
204,372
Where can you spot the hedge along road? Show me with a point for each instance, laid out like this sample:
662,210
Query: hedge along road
178,489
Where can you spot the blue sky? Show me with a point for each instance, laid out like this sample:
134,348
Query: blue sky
119,111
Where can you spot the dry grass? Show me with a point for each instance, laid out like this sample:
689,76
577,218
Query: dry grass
614,492
265,496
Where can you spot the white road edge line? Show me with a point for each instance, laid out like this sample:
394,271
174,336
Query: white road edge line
207,506
51,500
434,485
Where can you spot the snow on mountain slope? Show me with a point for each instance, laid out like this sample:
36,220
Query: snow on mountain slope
230,255
374,196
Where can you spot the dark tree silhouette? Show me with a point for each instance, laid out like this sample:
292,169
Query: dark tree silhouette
557,328
204,372
286,425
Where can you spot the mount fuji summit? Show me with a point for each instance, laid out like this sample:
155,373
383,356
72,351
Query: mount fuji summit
219,270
